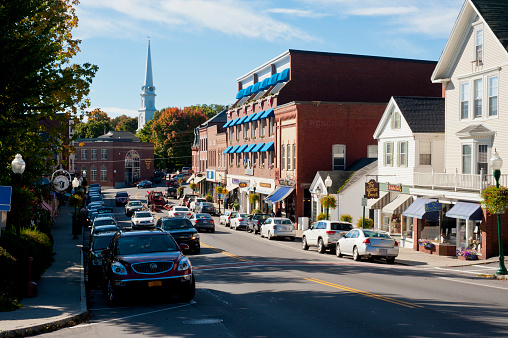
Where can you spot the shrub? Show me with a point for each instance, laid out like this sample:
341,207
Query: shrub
209,197
346,218
9,281
253,198
320,217
257,211
369,223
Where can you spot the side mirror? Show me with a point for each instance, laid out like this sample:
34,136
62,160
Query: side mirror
184,246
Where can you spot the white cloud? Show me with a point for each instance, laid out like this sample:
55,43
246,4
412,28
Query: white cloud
383,11
297,12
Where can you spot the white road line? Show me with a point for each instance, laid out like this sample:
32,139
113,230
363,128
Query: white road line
485,267
463,271
137,315
478,284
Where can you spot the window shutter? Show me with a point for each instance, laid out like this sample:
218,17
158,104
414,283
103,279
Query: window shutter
393,144
397,164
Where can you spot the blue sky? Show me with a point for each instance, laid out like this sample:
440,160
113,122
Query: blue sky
200,47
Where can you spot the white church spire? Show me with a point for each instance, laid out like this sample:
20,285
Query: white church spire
147,94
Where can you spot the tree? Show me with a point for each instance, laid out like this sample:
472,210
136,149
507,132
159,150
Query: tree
125,123
98,115
210,110
92,129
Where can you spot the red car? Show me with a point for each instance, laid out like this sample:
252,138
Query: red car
121,198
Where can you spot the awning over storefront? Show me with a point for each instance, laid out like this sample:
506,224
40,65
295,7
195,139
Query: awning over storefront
281,193
268,113
257,147
197,179
259,191
398,205
268,147
464,210
233,122
191,178
231,187
417,209
227,150
384,199
47,206
240,120
257,116
239,95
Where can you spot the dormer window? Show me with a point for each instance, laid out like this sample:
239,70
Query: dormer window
395,120
479,47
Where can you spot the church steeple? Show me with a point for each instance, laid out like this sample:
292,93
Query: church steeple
147,94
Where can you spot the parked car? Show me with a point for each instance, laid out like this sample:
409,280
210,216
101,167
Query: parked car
121,198
93,256
278,227
94,205
144,184
205,207
361,243
105,210
103,220
177,211
255,222
146,261
324,234
98,199
194,201
132,206
182,231
185,198
95,186
203,222
239,221
226,217
105,228
142,220
185,170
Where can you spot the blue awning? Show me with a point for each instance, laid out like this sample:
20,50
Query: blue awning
281,193
241,148
464,210
257,116
283,76
233,150
233,122
250,90
256,87
239,95
268,113
417,209
273,79
249,148
268,147
264,84
257,147
249,118
227,124
240,120
227,150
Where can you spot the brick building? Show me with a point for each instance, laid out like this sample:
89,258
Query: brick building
116,159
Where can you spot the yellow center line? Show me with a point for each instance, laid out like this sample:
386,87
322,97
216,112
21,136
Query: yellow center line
225,253
364,293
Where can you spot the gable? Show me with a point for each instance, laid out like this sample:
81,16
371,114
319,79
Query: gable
385,126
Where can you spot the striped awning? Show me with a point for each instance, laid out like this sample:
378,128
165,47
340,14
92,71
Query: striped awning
399,204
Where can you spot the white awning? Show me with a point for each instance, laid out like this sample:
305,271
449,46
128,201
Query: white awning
195,179
384,199
191,178
398,205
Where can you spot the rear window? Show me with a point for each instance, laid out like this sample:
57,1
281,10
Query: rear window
135,204
144,244
341,226
181,209
122,194
174,224
373,234
203,216
143,214
108,221
282,221
101,242
262,217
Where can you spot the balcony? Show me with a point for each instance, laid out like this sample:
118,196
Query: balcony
456,181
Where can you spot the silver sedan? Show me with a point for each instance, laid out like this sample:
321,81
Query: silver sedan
361,243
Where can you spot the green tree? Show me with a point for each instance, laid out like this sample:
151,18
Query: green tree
92,129
98,115
125,123
210,110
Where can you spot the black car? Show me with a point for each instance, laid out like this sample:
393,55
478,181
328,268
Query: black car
182,231
203,222
255,222
171,192
121,198
205,207
149,261
95,186
93,256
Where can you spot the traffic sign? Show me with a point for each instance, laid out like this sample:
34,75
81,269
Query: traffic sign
224,191
364,201
180,181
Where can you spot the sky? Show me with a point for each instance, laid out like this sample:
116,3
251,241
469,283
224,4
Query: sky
201,47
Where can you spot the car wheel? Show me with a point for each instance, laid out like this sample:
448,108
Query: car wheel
111,293
188,291
390,260
213,230
305,246
356,254
236,228
321,246
338,253
270,236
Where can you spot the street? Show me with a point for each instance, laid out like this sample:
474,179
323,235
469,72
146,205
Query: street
250,286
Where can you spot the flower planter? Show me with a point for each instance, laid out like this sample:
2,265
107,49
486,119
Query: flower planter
470,258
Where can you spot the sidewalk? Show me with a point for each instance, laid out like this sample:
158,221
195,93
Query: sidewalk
61,298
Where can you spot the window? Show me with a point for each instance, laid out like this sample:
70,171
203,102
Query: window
388,154
104,154
104,173
466,159
245,130
262,124
231,156
262,157
254,158
272,125
493,96
464,100
478,94
93,174
372,151
93,154
403,154
294,156
282,157
483,164
237,159
425,153
83,154
254,128
271,157
288,156
231,133
395,120
339,157
83,171
479,47
238,131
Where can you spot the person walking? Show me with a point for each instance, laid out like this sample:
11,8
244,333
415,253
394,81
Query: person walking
226,200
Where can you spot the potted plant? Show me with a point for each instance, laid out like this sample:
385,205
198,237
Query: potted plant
466,254
426,244
209,197
320,217
368,223
193,186
346,218
236,206
494,199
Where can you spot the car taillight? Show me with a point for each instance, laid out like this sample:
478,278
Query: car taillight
189,214
274,227
212,221
366,241
396,243
241,219
330,232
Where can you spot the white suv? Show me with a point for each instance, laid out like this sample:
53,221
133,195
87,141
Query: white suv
324,234
194,202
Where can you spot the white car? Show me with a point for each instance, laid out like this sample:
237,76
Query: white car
325,234
367,243
142,220
195,201
278,227
177,211
102,221
240,220
226,217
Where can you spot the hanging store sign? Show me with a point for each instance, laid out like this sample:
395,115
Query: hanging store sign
265,185
242,184
433,206
394,187
372,189
61,180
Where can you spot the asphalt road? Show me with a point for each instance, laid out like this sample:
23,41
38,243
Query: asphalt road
252,287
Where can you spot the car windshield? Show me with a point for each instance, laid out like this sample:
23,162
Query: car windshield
243,215
143,214
96,198
373,234
173,224
203,216
281,221
341,226
206,204
106,221
181,209
262,217
105,210
102,242
135,204
144,244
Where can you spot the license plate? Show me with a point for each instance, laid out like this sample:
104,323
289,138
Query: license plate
382,251
154,283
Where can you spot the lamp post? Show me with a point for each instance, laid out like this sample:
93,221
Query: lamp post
75,185
328,183
18,167
318,193
497,163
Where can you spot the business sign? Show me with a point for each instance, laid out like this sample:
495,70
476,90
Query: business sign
372,189
235,181
433,206
265,185
242,184
5,198
210,175
394,187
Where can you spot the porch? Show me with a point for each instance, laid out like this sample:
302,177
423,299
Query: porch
456,181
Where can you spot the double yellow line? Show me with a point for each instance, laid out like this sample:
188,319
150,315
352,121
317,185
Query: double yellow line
363,293
225,253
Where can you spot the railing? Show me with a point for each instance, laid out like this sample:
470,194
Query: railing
456,181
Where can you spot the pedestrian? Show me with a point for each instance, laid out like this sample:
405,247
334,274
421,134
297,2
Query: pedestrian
278,213
226,200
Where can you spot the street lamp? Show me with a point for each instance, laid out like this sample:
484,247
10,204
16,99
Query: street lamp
75,185
496,164
18,167
328,183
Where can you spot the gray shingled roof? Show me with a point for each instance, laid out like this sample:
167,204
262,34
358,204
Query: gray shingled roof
338,178
364,167
495,13
423,114
475,129
124,135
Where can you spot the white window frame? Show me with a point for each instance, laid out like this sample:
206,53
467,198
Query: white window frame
288,157
492,96
396,120
478,98
262,125
372,149
339,149
271,122
93,174
93,154
294,156
402,161
254,129
83,154
282,157
245,130
486,159
464,100
238,131
420,152
271,157
478,42
388,154
462,159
